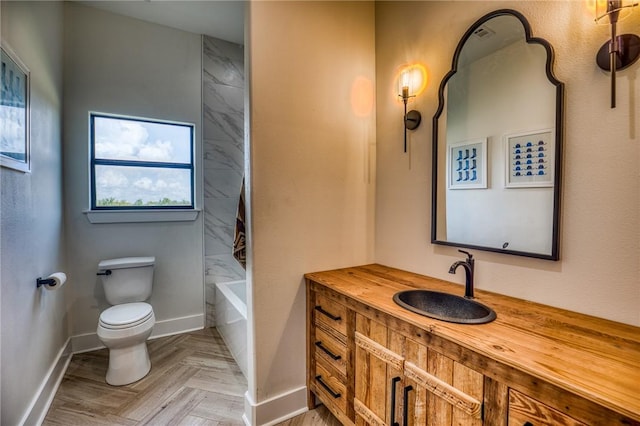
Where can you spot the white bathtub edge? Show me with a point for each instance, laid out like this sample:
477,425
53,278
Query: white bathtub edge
240,305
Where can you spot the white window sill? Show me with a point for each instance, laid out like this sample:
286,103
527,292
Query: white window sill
134,216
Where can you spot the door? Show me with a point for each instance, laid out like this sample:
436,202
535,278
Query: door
378,374
401,382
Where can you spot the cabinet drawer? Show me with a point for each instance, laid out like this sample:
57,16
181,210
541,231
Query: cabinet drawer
330,313
526,411
329,388
331,349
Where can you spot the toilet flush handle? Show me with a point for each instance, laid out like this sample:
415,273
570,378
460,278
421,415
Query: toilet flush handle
107,272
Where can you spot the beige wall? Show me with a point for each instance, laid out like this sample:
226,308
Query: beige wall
599,269
311,168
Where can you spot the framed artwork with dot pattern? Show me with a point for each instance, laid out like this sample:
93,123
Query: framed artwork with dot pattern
530,159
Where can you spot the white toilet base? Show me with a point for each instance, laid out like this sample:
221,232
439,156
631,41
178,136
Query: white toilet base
128,365
128,353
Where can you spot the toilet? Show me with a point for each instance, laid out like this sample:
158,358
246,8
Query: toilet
125,327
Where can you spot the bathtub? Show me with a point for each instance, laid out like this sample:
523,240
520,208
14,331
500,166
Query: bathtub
231,319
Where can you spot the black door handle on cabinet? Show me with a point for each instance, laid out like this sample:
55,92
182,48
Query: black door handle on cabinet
394,382
405,408
329,314
327,388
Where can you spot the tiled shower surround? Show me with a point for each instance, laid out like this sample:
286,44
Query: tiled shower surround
223,138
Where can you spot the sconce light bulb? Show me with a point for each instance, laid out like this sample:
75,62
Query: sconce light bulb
405,93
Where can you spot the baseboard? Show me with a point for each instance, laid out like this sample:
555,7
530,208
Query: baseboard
90,342
177,326
275,410
86,342
40,404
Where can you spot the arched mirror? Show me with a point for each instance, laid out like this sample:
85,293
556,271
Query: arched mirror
497,139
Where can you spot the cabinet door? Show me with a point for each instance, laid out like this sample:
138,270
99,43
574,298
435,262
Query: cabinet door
400,382
378,374
445,392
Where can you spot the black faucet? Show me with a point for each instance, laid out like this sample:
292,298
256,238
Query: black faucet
468,268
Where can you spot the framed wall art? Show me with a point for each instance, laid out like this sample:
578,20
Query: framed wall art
530,159
467,164
14,111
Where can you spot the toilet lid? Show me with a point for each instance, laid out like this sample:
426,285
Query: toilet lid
126,315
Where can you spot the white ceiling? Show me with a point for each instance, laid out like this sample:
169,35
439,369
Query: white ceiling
215,18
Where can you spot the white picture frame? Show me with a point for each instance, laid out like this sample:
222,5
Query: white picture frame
467,164
530,159
15,111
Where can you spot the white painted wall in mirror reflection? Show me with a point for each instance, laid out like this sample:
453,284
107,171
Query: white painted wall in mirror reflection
503,93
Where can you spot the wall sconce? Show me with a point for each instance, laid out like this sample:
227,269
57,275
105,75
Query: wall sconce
411,82
622,50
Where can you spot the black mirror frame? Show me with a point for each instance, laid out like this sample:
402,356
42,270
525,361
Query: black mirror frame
559,135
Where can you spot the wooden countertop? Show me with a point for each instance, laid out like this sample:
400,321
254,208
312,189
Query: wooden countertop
594,358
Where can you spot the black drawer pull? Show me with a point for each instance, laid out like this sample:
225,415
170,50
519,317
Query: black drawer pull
327,351
330,315
527,424
327,388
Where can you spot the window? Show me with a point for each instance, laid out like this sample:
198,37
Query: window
140,164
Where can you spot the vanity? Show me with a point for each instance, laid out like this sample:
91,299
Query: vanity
370,361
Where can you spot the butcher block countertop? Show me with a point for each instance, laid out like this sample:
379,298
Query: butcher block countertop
593,358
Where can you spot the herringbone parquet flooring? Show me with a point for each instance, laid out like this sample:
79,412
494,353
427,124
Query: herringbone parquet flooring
318,417
193,381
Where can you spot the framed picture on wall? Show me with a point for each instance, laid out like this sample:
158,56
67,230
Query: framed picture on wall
467,164
14,111
530,159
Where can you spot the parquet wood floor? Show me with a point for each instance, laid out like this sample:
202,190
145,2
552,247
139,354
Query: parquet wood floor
318,417
194,381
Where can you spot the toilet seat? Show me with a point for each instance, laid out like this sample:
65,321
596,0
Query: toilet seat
126,315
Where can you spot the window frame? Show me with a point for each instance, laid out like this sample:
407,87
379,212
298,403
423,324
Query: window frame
93,162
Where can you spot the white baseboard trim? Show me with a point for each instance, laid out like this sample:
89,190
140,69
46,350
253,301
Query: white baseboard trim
276,409
177,326
90,342
41,402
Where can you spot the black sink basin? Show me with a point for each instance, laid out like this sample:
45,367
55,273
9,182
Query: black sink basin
444,306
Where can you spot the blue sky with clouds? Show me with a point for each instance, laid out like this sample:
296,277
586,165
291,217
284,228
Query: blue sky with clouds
122,139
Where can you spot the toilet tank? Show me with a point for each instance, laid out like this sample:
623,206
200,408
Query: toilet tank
130,279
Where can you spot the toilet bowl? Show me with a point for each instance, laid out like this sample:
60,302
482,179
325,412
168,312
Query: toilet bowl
125,327
124,330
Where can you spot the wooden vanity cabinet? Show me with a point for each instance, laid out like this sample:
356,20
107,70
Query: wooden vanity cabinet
372,363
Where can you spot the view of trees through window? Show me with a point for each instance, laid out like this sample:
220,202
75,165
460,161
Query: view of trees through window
139,163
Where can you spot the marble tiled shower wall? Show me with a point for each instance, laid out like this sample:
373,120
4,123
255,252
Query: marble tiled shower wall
223,137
